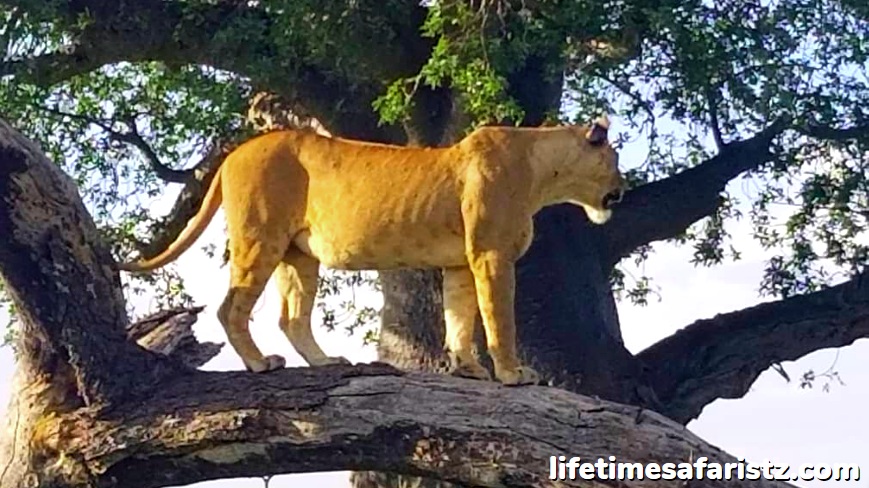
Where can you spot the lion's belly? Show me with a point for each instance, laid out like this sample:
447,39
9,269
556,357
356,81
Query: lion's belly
388,250
385,217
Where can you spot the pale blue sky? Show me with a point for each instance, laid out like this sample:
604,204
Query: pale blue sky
776,420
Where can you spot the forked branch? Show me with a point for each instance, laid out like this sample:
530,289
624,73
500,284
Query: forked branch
722,356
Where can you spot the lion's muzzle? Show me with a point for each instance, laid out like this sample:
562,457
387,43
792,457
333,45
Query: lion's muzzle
612,198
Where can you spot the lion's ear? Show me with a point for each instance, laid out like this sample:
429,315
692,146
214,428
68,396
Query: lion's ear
550,122
597,134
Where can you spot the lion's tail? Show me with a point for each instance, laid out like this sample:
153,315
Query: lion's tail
210,204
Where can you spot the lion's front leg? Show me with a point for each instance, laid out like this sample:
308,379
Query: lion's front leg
460,313
495,280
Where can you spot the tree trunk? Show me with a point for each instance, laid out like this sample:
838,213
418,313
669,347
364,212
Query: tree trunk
567,319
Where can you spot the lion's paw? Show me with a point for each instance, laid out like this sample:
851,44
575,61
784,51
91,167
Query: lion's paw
332,360
266,364
472,370
521,375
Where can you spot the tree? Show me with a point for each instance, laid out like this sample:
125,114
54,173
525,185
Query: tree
778,90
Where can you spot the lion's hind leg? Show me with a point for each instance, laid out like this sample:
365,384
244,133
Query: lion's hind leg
251,266
296,278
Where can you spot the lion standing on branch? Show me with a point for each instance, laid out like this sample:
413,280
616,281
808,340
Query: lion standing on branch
295,199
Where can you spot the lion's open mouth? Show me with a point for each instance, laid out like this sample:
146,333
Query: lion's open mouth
612,198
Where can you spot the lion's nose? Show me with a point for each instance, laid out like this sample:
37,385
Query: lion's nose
613,198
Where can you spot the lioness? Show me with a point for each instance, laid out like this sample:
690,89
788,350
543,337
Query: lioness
295,199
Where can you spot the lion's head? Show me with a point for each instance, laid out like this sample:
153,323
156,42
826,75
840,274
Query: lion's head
600,184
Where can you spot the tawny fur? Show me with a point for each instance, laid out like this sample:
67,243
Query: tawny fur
295,199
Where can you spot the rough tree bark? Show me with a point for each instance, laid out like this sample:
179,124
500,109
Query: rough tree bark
91,408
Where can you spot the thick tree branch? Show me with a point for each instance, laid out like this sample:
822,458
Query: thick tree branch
721,357
51,256
219,425
667,207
